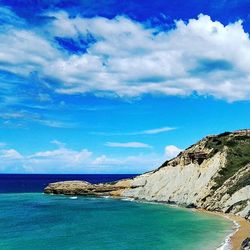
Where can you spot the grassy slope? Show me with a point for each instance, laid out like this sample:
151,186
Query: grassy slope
238,156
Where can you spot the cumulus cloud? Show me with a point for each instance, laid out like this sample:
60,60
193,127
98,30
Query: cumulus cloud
59,160
123,57
10,154
10,159
127,145
66,160
63,159
172,151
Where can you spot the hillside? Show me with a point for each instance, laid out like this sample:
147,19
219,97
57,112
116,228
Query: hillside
213,174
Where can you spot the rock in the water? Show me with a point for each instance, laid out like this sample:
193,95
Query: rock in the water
245,244
86,188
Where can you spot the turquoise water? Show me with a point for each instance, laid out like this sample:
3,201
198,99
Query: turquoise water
37,221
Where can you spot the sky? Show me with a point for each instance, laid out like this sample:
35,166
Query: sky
118,86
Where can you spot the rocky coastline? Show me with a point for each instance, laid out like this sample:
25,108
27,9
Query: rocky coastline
114,189
213,174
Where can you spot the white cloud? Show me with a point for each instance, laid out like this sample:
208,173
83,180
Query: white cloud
63,157
58,143
127,145
12,115
11,161
156,131
142,132
199,56
23,117
129,59
172,151
66,160
22,47
54,123
10,154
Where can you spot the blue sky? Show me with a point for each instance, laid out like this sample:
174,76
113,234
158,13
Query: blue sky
118,86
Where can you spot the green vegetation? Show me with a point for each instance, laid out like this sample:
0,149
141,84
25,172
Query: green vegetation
243,181
238,156
240,205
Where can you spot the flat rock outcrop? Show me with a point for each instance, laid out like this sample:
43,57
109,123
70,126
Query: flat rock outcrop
87,189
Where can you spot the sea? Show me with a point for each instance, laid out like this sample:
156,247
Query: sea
31,220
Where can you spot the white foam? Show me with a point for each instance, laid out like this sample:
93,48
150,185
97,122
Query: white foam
106,197
227,245
128,199
73,197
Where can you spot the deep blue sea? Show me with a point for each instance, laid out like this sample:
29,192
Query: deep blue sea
31,220
20,183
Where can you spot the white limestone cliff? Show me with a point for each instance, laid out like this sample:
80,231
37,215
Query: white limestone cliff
190,179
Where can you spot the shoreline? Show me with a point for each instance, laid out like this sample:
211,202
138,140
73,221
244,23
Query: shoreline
233,241
240,232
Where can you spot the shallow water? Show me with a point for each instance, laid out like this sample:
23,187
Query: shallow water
37,221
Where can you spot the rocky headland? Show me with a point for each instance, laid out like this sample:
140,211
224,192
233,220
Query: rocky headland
213,174
88,189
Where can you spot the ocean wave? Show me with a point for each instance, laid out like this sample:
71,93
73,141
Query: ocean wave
127,199
106,197
227,245
73,197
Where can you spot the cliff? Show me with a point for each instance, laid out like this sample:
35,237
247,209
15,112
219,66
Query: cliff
213,174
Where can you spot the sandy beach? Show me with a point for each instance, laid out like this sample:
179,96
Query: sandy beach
240,234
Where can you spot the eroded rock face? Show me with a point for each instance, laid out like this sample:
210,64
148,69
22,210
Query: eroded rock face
181,184
213,174
86,188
